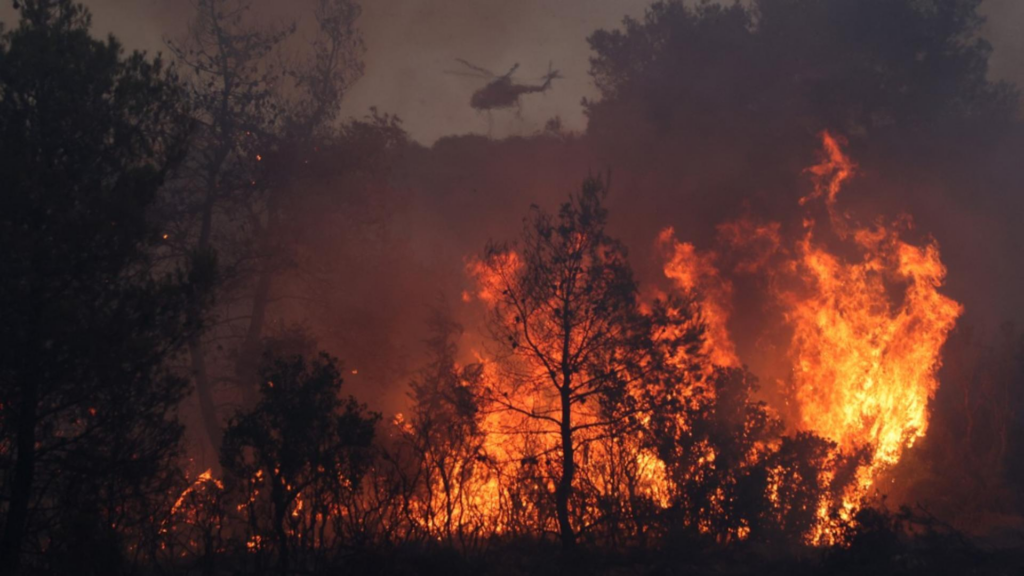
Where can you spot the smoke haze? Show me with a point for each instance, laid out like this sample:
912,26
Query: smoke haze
412,43
838,189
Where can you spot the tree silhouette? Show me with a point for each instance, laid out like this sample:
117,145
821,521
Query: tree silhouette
300,439
567,318
259,124
87,404
444,432
854,66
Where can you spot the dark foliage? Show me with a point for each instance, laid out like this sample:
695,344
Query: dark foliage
847,65
301,438
88,433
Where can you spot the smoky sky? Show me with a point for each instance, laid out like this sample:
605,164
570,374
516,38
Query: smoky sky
412,43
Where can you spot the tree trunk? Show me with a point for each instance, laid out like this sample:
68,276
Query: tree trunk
204,391
280,509
204,388
246,366
24,477
564,489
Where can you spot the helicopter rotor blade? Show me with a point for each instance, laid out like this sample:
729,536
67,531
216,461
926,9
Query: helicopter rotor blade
511,70
479,70
552,73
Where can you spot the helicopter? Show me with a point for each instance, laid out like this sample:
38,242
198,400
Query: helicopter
501,91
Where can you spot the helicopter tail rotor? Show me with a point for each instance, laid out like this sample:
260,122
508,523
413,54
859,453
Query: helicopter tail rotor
551,75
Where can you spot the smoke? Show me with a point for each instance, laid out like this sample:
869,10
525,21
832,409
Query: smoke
412,42
451,195
460,194
1003,30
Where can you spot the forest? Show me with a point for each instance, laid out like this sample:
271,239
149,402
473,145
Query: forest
758,317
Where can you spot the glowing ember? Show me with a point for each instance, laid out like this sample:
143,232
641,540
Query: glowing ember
199,481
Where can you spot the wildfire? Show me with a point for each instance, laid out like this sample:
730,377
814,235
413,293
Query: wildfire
868,320
865,361
205,477
865,323
691,271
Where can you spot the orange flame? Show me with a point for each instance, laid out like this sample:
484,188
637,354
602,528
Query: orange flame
867,329
691,271
865,361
